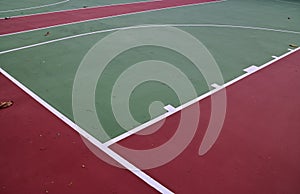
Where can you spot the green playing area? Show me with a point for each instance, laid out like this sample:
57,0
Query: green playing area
238,34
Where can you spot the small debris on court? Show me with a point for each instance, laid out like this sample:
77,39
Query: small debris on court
82,166
47,34
6,104
293,45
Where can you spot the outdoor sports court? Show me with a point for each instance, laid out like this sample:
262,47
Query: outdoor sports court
162,96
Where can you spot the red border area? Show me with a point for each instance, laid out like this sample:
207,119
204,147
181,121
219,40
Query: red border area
39,153
26,23
258,148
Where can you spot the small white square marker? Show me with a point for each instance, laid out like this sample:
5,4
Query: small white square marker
251,69
216,86
170,108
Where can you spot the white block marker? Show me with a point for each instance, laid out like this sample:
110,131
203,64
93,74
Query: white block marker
170,108
251,69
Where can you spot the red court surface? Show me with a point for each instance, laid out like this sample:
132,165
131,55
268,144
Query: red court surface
258,148
37,21
40,154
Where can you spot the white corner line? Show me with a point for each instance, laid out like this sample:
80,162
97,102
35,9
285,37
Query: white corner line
126,14
260,67
146,178
209,93
289,49
274,57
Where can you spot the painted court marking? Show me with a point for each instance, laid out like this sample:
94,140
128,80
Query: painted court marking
104,147
35,7
251,69
169,108
216,86
151,122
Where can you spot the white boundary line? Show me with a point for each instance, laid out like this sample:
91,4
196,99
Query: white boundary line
164,116
133,13
147,26
146,178
35,7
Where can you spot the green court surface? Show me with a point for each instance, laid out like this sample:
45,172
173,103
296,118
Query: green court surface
238,34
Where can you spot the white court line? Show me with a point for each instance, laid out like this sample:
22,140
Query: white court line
148,26
35,7
146,178
217,88
133,13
